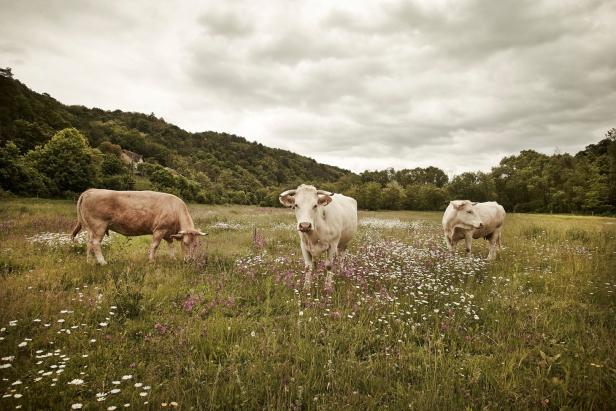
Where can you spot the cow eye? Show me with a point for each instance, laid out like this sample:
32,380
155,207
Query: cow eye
470,212
315,206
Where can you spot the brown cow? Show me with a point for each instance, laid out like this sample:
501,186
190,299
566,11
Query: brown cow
133,213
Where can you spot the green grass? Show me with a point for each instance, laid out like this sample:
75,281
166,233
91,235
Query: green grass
406,325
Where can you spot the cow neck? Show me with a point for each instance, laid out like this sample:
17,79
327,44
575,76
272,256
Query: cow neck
186,222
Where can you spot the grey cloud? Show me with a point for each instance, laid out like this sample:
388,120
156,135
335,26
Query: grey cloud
226,24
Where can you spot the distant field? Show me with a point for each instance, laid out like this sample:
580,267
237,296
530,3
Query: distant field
406,326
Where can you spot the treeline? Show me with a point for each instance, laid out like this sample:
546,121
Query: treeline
48,149
526,182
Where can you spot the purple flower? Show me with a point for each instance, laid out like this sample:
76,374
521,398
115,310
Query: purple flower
189,303
160,328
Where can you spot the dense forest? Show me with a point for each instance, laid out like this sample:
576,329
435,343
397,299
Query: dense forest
48,149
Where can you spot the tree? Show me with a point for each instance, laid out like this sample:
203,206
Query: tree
19,177
27,135
393,196
67,160
6,72
370,196
477,186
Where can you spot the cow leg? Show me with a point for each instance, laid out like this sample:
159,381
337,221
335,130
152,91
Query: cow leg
157,236
494,243
331,255
448,241
498,238
468,239
95,244
309,265
170,247
341,255
96,233
89,247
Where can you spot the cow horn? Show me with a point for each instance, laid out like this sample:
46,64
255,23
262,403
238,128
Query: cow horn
202,233
288,193
325,193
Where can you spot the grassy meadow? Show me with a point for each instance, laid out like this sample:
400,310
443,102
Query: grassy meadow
406,325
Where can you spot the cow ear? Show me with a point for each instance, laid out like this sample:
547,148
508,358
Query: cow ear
324,200
473,202
456,204
287,200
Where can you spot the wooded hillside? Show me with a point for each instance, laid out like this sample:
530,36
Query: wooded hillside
50,149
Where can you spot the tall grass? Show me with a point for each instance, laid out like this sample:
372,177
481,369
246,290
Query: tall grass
406,325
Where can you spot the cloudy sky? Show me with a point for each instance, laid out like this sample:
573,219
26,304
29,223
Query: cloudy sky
362,85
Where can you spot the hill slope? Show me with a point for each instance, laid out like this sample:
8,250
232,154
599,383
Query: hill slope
234,164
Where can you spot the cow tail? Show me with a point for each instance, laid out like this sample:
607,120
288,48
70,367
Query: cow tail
77,228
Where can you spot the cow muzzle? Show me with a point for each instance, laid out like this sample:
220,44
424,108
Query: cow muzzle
304,227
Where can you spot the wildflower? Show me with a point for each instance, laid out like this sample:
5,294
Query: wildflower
115,391
76,381
111,408
115,382
17,395
7,365
252,334
22,344
18,382
127,377
301,313
189,303
76,406
143,394
103,324
138,384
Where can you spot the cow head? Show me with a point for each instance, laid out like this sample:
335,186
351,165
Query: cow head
465,215
190,241
307,201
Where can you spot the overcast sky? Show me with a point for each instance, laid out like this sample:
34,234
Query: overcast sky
361,85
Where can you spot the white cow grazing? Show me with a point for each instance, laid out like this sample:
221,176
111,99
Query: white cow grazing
467,220
326,223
